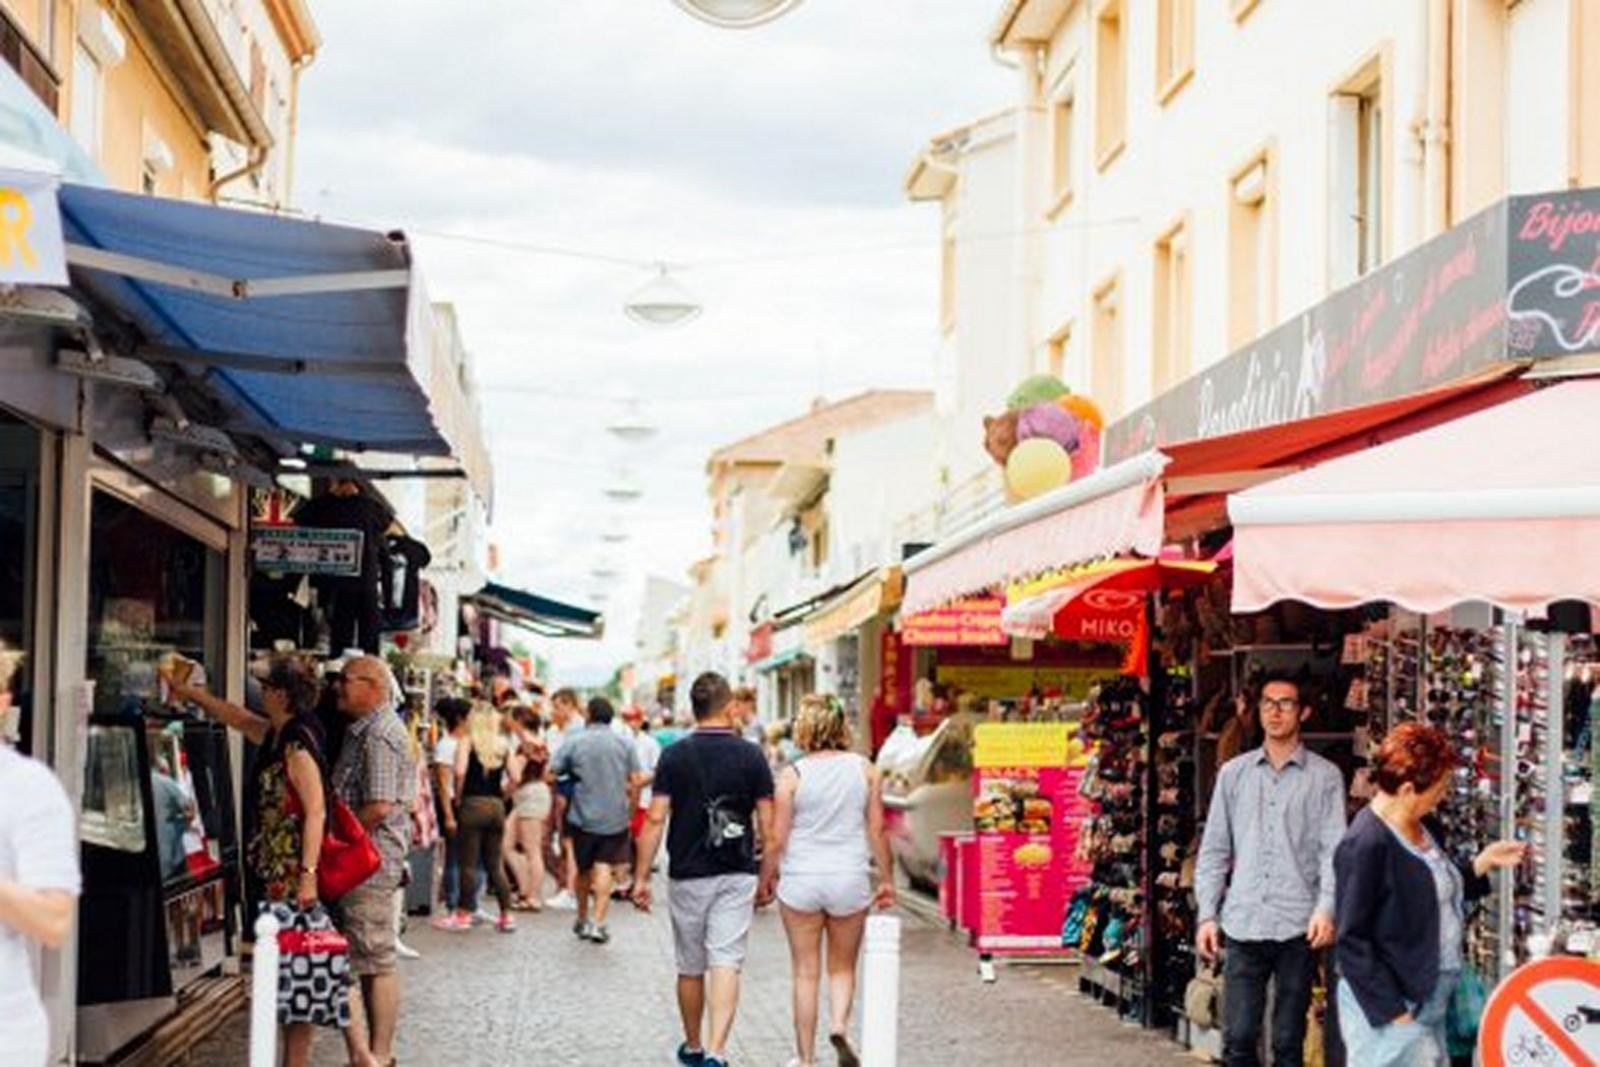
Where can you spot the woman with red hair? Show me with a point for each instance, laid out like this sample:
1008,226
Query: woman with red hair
1401,904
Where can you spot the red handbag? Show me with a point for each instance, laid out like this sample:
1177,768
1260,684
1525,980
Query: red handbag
348,856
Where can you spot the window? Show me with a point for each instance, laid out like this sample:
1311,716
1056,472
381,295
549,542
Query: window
1355,239
1173,309
87,82
1056,352
1061,130
1110,84
1107,355
947,276
1174,46
1252,252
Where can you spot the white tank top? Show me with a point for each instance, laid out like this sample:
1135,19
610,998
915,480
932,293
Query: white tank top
829,835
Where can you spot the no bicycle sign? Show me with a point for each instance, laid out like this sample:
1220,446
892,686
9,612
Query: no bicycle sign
1546,1014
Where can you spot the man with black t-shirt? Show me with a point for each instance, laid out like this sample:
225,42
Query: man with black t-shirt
717,789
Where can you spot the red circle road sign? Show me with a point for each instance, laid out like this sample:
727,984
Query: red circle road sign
1546,1014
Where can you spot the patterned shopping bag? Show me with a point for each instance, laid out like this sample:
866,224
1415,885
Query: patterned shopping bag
313,968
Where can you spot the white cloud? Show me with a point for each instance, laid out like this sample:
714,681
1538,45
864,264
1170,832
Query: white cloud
625,128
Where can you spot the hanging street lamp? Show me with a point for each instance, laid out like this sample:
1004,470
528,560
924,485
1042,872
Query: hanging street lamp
631,425
737,14
662,301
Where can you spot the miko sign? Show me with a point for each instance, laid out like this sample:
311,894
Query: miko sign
32,251
1546,1014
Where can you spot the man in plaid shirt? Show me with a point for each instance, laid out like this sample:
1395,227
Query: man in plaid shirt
376,777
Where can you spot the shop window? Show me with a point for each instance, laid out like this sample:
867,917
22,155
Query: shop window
1174,46
1110,83
19,506
1107,348
1355,239
1062,127
153,591
1252,252
1174,310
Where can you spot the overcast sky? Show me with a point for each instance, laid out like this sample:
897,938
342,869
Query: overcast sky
770,161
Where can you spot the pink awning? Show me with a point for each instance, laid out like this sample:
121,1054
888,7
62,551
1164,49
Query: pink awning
1113,511
1501,506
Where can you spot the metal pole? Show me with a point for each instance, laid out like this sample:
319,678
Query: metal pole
1505,897
1555,787
880,995
264,994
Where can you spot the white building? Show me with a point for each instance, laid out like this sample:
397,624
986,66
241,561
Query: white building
1191,174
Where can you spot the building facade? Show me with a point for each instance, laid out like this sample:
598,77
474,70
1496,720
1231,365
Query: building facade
1190,174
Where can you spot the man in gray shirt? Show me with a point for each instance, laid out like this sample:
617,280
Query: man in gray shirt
605,767
1276,816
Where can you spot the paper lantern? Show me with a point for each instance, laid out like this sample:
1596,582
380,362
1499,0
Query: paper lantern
1036,466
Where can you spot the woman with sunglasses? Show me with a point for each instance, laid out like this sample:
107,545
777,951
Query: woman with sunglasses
292,806
828,829
1402,905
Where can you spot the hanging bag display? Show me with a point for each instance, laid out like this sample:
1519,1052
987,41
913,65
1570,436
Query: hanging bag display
313,968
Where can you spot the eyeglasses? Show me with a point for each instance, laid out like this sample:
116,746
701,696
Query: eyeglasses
1287,705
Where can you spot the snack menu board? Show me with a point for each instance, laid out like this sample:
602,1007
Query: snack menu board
1027,812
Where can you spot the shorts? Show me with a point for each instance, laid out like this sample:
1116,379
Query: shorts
711,921
589,849
367,920
533,801
835,895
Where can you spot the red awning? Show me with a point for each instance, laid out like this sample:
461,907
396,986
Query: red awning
1501,506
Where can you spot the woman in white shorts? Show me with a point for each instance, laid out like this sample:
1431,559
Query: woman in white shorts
828,831
530,813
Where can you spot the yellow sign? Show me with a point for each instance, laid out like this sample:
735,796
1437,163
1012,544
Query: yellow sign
1012,682
32,251
1026,744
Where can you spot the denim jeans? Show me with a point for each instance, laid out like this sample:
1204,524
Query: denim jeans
1420,1043
1247,969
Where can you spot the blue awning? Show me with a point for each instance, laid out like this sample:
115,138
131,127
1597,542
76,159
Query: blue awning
305,332
540,614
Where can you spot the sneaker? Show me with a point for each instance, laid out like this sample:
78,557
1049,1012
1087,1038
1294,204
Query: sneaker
599,934
505,924
690,1057
405,951
446,921
584,929
713,1061
563,901
481,918
455,923
847,1055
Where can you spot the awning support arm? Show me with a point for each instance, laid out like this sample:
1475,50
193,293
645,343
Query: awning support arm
206,357
150,270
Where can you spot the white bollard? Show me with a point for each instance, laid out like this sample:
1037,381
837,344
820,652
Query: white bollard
880,995
264,994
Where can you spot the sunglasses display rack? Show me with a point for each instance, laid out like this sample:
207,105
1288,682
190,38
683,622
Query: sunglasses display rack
1581,717
1110,928
1173,842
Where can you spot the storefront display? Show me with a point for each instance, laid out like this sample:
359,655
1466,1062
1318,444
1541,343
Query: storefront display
19,503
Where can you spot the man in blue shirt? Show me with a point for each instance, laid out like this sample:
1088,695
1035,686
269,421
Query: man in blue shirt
606,773
1264,877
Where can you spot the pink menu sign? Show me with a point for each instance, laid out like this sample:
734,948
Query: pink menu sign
1027,814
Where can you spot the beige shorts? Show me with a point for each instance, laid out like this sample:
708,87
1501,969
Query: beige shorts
366,918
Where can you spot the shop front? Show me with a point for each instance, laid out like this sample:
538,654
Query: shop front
1408,534
147,388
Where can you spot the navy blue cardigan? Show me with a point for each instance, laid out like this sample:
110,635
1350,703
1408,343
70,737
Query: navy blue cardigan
1388,915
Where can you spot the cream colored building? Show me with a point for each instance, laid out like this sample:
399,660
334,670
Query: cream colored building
1190,173
194,99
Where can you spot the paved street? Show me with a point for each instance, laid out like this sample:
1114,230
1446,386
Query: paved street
540,996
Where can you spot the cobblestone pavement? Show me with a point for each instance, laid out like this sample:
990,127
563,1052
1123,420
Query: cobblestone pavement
540,996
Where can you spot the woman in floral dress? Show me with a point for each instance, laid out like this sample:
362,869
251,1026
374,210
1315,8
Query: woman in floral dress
292,814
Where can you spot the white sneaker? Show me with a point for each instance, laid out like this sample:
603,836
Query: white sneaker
405,951
563,901
482,918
